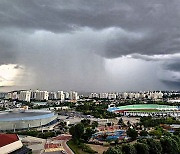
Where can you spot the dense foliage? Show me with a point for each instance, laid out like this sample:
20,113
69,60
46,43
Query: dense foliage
98,111
81,133
166,145
152,122
35,133
141,148
132,133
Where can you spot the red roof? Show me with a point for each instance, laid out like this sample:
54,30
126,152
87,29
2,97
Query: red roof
51,145
6,139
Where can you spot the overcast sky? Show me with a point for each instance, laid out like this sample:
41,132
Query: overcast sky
90,45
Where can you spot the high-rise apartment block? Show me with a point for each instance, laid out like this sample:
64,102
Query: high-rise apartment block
25,96
60,95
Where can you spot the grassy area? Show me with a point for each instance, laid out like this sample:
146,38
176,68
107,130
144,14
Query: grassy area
145,110
146,107
77,149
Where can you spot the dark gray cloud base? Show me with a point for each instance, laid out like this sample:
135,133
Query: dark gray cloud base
154,26
141,28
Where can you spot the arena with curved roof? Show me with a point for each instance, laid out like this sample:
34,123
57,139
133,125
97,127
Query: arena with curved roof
11,120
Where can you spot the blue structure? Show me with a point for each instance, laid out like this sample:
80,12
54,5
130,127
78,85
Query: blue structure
27,119
109,136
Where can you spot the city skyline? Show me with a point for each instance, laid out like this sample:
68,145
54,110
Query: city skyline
90,46
41,95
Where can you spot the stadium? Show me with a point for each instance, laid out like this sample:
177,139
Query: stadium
142,108
17,120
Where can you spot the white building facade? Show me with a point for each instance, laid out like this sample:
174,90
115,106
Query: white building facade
25,96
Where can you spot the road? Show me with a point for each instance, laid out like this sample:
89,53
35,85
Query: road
58,144
64,138
66,147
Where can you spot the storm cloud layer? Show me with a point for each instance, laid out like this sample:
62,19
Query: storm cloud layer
92,45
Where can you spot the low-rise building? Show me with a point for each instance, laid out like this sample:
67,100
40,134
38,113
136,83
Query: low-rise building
10,143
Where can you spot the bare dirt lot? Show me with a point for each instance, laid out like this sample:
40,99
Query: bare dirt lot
99,148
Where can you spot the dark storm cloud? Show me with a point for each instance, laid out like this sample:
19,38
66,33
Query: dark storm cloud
151,44
157,22
7,51
174,84
171,75
60,15
173,66
139,28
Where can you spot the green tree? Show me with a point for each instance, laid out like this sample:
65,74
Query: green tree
121,122
156,133
154,146
143,133
85,122
141,148
88,133
94,124
177,132
132,133
72,131
177,139
169,145
128,149
62,124
128,123
114,150
77,131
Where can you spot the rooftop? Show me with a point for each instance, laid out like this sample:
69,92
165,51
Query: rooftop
27,115
6,139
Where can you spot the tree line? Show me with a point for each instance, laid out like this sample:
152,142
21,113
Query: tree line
166,145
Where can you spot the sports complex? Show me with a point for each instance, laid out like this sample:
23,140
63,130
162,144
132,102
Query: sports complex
16,120
143,108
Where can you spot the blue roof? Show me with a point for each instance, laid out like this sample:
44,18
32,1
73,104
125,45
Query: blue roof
16,116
